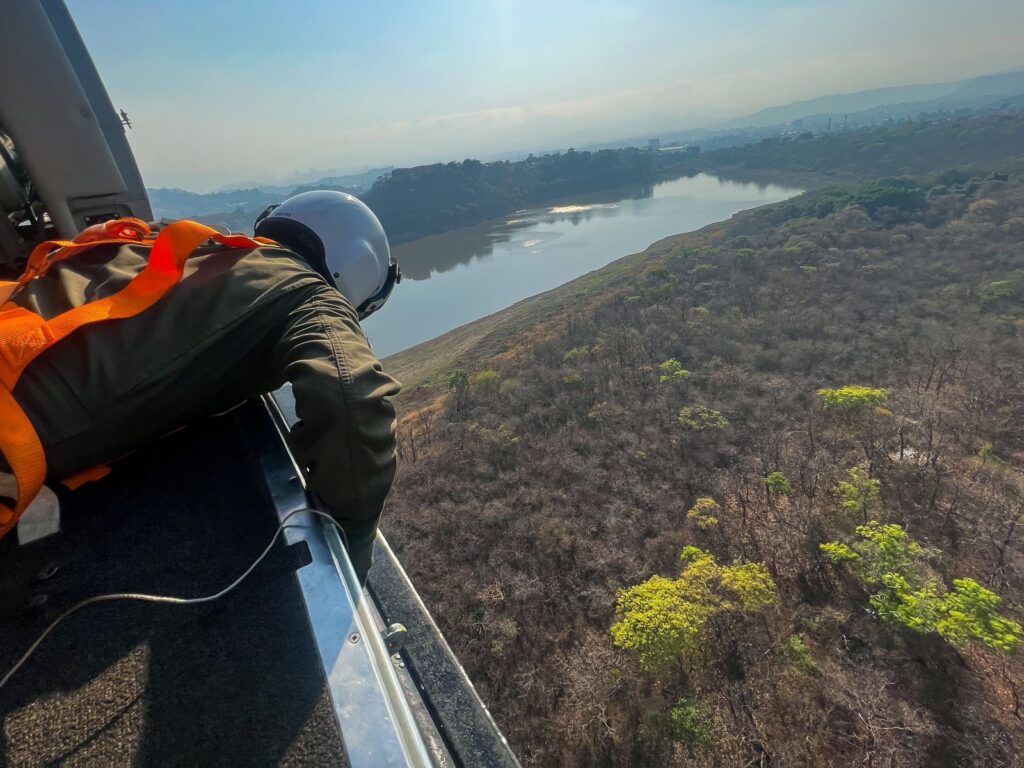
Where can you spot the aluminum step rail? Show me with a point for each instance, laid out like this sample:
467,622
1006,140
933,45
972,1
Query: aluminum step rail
377,725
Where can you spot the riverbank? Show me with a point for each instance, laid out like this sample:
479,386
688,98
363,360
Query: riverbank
423,369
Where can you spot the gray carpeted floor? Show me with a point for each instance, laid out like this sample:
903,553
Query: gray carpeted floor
236,682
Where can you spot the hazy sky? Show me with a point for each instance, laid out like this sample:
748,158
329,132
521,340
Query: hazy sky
226,91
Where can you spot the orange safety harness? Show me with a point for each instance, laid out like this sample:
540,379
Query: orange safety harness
24,335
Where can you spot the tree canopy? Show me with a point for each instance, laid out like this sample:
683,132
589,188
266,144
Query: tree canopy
904,591
664,621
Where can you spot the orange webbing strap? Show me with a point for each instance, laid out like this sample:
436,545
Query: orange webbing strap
90,475
23,451
25,335
7,290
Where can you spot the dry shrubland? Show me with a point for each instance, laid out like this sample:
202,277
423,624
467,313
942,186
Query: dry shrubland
541,486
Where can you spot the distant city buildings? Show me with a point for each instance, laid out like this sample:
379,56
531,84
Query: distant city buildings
654,144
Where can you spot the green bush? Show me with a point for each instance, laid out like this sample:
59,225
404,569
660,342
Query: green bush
703,512
988,456
904,196
576,353
485,382
778,484
998,292
861,493
745,259
970,614
795,652
687,722
690,724
458,386
903,591
458,380
672,371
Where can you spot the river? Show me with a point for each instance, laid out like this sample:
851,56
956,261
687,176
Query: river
456,277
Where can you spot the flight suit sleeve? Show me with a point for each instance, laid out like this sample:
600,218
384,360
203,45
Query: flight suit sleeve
345,434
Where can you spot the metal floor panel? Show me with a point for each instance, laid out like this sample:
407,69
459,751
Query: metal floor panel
236,682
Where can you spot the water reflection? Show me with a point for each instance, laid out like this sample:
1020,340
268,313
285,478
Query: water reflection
438,254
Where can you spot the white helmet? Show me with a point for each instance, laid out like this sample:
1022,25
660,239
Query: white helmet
342,239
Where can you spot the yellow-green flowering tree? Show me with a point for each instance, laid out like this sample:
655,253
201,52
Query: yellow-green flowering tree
861,493
851,399
703,512
701,417
664,621
672,372
778,484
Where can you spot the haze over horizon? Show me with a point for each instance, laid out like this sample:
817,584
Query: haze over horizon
237,91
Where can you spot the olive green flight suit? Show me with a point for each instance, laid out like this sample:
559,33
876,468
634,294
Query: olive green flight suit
240,323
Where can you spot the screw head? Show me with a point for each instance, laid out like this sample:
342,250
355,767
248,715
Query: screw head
395,637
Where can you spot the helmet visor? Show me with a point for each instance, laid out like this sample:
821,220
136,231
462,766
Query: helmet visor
377,301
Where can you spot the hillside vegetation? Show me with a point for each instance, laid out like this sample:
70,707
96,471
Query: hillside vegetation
753,497
413,202
915,147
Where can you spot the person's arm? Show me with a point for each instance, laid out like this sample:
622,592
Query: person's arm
345,436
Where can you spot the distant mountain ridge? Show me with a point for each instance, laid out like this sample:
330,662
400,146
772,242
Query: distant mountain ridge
922,97
177,203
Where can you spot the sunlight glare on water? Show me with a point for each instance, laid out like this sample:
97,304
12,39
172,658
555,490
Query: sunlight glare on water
580,208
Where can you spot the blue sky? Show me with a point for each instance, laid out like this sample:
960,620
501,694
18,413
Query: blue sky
226,91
